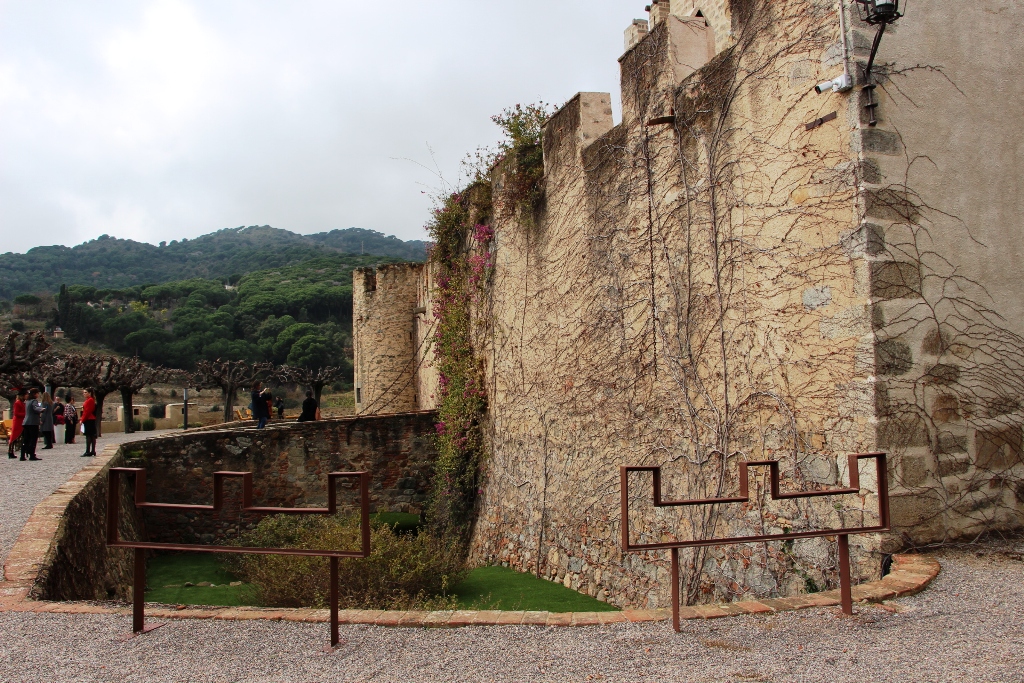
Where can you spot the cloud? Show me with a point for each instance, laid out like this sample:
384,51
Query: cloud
164,119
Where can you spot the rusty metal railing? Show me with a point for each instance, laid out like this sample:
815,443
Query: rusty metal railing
140,547
843,535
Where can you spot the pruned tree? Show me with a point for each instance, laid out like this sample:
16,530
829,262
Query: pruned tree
313,380
131,376
229,376
62,371
21,352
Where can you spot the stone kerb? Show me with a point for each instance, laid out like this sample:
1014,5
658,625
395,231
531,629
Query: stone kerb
36,547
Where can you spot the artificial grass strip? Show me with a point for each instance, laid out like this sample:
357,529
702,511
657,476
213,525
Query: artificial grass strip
506,589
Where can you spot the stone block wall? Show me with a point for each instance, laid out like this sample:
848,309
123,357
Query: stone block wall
79,566
384,304
290,463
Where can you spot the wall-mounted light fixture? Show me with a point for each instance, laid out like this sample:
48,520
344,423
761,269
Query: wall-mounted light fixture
878,13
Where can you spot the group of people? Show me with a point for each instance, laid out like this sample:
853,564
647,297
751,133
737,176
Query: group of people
35,413
263,405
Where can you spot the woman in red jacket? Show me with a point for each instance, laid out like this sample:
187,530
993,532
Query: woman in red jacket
18,417
89,424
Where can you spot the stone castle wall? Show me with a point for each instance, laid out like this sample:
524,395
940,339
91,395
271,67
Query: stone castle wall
290,464
715,280
384,301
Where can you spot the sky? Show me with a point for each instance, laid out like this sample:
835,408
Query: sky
162,119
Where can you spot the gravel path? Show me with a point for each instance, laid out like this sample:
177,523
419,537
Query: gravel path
23,485
969,626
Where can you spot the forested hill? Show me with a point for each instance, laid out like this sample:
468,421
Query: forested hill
110,263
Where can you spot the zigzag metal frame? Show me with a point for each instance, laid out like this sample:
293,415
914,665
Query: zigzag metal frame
140,547
881,469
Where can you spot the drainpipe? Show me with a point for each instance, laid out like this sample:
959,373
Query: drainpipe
846,42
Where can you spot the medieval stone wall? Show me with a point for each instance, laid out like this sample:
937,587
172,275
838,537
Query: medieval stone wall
384,301
662,310
742,269
290,464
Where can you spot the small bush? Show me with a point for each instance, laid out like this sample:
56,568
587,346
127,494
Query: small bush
174,393
403,571
149,425
137,425
158,411
291,403
18,326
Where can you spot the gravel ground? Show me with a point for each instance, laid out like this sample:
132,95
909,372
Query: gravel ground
25,484
969,626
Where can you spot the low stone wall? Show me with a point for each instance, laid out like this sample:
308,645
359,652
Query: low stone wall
71,525
290,463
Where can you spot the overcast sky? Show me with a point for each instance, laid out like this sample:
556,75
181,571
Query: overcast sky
162,119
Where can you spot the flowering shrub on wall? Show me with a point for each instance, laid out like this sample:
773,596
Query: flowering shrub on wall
462,268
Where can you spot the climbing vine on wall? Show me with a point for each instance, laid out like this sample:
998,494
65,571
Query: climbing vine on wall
463,261
462,397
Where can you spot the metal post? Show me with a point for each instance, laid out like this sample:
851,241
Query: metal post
185,410
334,602
675,589
845,590
139,592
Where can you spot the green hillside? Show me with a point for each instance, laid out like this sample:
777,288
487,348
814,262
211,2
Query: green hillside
299,314
109,263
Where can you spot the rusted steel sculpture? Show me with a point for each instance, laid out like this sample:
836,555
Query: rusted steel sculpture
777,494
138,595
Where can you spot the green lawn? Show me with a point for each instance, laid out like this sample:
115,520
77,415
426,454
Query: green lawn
166,576
506,589
484,588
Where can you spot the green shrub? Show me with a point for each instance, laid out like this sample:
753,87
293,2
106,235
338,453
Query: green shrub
18,326
149,425
403,571
137,425
158,411
292,403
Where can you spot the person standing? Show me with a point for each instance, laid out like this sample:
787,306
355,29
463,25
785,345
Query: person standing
17,420
259,406
309,409
89,424
70,418
279,404
58,419
46,421
33,409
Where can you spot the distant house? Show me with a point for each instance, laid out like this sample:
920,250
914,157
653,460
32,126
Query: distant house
58,333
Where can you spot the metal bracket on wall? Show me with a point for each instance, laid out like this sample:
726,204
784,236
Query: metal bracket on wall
843,535
139,587
818,123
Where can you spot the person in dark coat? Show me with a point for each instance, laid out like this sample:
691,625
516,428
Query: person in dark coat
33,411
70,419
308,408
46,423
259,407
279,404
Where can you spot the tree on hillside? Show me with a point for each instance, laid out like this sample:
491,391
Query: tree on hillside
313,379
229,376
